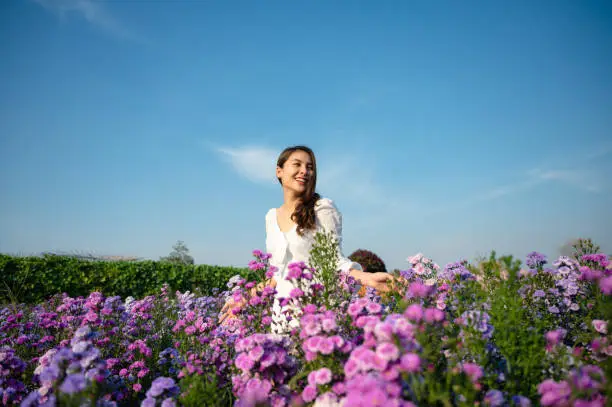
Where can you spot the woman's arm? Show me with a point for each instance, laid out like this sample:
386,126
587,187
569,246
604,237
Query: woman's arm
330,219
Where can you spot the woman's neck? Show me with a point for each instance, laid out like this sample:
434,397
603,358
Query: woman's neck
291,201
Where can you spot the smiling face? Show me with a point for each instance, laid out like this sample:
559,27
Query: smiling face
297,173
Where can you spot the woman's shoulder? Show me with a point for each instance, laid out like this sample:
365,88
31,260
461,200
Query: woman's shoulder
271,215
325,203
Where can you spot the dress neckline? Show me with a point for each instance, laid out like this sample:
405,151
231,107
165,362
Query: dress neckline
278,226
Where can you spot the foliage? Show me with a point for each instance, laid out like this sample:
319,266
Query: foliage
490,334
34,279
370,262
578,247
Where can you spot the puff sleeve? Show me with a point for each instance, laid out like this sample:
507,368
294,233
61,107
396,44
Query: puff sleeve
330,220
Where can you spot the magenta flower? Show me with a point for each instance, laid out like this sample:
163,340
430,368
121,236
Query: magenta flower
296,293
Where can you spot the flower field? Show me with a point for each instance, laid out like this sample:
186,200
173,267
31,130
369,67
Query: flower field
497,333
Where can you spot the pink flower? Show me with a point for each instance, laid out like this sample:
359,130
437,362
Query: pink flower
312,378
433,315
354,309
351,367
414,312
554,393
309,393
312,344
554,337
415,259
600,326
310,309
339,388
137,387
473,370
328,324
373,308
605,284
244,363
323,376
256,353
410,362
383,331
387,351
312,328
326,346
419,290
419,269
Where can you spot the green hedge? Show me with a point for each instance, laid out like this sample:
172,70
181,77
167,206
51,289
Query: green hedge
34,279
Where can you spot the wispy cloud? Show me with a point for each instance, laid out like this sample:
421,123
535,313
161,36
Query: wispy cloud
92,11
581,179
251,162
584,180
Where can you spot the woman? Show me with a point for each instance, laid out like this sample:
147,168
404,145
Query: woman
290,229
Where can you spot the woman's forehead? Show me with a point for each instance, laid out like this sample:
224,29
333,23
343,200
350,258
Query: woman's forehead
300,156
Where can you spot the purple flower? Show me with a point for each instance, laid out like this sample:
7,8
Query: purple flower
148,402
521,401
168,402
159,385
535,260
73,383
494,398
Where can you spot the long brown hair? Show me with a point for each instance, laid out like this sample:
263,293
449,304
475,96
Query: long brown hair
304,214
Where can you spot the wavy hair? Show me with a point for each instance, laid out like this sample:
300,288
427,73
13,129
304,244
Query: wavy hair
304,214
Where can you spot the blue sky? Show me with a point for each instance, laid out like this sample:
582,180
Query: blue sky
448,128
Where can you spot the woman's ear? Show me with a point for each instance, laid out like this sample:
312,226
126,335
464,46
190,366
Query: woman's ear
279,172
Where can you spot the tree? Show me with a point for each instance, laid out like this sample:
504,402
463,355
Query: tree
179,255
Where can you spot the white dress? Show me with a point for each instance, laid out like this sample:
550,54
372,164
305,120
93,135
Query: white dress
289,247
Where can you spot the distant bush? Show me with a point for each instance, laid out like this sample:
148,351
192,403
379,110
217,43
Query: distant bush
370,262
33,279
